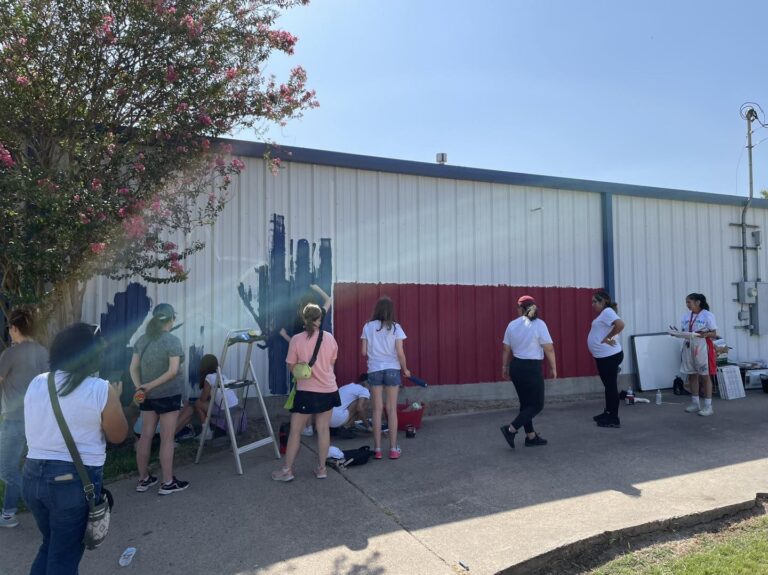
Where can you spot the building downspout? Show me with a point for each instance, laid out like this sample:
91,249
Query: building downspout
606,217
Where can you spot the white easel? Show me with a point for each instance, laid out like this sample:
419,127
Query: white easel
248,378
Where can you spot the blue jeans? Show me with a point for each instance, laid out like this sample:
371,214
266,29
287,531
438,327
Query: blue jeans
13,443
54,494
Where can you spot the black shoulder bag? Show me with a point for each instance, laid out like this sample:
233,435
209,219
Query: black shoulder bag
98,513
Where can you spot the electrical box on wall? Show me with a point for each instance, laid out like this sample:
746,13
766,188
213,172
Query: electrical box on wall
747,292
759,309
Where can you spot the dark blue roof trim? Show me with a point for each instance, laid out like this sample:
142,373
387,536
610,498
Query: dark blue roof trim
389,165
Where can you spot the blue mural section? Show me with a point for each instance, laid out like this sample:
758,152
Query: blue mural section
284,287
118,324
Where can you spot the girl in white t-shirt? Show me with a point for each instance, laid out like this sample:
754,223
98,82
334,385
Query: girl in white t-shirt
607,353
527,341
383,346
697,350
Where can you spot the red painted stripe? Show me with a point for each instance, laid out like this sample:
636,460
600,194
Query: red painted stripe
455,331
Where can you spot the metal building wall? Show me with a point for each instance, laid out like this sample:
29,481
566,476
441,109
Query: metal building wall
666,249
469,238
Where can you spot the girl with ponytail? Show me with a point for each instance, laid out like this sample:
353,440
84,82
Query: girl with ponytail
527,341
608,354
316,395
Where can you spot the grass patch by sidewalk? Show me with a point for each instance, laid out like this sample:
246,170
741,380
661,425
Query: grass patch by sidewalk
740,548
121,461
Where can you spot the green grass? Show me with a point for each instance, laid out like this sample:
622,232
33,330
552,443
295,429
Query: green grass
121,462
741,549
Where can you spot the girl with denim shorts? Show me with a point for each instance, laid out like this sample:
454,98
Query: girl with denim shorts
383,347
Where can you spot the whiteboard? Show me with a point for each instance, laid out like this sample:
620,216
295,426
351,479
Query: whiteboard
657,360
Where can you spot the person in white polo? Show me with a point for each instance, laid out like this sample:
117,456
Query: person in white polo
527,341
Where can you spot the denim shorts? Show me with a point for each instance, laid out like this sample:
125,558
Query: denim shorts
387,377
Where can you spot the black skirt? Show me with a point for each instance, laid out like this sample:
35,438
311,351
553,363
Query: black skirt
314,402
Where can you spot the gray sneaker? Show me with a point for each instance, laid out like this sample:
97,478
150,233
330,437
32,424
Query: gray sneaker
8,521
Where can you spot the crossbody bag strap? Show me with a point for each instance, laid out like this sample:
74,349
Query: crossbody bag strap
84,477
317,348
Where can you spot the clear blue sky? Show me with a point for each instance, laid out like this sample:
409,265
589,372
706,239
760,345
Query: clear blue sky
636,92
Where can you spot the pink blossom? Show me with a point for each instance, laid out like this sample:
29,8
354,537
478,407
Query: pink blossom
170,74
98,248
227,180
226,148
22,41
102,217
5,158
168,246
22,80
123,191
174,256
204,119
232,73
205,144
176,268
76,197
84,219
134,227
238,164
96,184
122,212
139,167
220,162
182,107
156,205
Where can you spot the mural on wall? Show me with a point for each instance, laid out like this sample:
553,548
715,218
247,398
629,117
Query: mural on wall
284,286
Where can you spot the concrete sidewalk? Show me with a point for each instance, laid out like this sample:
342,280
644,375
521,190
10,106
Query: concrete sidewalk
458,496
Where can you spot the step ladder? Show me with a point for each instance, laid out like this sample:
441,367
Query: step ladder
248,379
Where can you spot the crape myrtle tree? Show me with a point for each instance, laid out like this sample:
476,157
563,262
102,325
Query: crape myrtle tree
109,114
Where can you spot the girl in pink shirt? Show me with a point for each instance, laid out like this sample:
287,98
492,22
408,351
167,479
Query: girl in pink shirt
317,395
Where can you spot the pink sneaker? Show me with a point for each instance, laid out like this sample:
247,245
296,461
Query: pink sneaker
283,475
394,453
377,453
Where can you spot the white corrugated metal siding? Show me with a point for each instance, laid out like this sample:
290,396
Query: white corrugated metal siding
389,228
666,249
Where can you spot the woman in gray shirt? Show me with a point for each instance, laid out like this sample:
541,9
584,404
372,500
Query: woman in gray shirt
155,371
19,364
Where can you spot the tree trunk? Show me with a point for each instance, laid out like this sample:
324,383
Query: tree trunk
64,308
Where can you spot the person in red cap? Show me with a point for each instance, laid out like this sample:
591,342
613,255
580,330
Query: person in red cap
527,340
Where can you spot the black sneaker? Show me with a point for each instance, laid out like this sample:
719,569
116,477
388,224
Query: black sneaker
600,416
609,421
508,435
187,433
145,484
536,441
173,487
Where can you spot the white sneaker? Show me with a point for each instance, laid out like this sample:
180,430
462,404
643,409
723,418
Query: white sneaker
308,431
693,408
705,411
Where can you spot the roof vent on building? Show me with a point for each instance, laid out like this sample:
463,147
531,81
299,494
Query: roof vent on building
441,158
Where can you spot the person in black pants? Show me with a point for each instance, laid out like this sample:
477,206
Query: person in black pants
607,353
527,341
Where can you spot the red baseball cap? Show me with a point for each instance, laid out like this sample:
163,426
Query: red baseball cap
525,298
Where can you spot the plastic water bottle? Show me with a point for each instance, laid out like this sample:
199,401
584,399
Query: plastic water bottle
658,397
630,397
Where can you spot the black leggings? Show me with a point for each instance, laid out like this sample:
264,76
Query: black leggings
527,376
608,368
